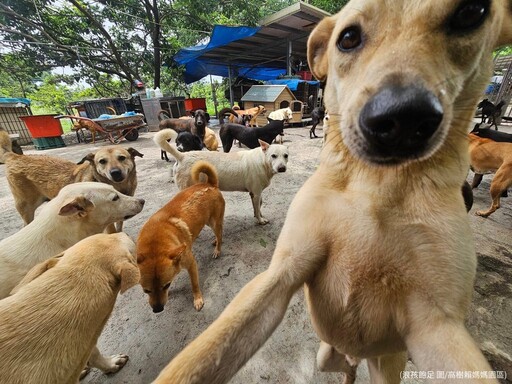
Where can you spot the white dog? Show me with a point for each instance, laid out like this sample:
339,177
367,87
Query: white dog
78,211
244,171
49,327
283,114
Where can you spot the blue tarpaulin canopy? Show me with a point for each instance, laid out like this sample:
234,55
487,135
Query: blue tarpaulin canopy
274,48
15,101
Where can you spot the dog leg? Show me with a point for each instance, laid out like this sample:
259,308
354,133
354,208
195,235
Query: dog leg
256,205
477,179
216,225
191,267
110,364
312,133
500,182
386,369
330,360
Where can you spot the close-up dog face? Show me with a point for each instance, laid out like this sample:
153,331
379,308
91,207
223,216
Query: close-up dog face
200,118
400,78
114,163
158,272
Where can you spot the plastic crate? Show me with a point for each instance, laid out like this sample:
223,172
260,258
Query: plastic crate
48,142
41,126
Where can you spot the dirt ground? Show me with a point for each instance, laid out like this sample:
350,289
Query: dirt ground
151,340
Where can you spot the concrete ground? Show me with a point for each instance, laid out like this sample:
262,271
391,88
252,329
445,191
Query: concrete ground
151,340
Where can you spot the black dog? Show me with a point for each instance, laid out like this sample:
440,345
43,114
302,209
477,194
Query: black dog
491,111
317,115
248,136
186,142
490,134
196,126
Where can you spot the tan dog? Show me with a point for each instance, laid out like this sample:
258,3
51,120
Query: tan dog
34,179
78,211
49,327
490,156
379,235
210,140
165,242
253,112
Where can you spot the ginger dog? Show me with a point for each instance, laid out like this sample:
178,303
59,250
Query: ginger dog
379,235
50,325
165,242
490,156
253,112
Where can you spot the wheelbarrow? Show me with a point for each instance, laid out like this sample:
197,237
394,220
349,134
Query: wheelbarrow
114,128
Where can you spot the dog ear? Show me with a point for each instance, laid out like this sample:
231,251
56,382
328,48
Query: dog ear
317,47
89,158
129,275
79,205
133,152
264,145
36,271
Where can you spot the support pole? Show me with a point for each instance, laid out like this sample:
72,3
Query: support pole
214,96
231,98
289,59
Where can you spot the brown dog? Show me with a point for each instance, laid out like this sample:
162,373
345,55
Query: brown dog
164,245
253,112
33,179
50,325
379,235
490,156
196,125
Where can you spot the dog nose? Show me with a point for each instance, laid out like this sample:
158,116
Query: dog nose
142,202
116,174
281,169
398,121
158,308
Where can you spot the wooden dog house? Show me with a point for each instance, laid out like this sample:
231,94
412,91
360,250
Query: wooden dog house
272,97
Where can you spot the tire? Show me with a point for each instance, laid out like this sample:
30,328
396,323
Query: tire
131,135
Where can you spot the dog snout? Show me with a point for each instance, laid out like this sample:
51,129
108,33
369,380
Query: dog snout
158,308
281,169
398,121
142,202
116,174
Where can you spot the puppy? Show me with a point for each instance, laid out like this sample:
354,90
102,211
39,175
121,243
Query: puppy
164,245
253,112
34,179
488,133
489,156
379,235
317,115
245,171
50,325
78,211
248,136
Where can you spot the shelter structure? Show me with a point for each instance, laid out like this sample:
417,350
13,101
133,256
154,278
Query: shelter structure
277,47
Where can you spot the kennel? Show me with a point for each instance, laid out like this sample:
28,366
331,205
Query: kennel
10,111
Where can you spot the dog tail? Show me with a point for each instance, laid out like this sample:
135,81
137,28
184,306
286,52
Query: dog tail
5,146
161,138
225,111
162,115
206,168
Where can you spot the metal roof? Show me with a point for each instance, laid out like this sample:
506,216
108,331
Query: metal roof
269,46
264,93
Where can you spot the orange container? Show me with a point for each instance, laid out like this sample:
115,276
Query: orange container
197,103
42,125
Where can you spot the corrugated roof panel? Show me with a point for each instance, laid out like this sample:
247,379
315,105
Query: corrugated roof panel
263,93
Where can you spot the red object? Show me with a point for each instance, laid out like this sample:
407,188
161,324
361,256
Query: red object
197,103
305,75
42,125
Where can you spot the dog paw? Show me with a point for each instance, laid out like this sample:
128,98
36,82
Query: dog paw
263,221
85,372
482,213
198,303
216,253
116,362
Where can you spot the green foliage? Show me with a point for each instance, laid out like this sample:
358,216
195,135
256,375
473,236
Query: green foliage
204,89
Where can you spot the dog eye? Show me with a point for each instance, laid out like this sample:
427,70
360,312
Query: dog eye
469,15
166,286
121,158
116,197
285,156
103,161
147,291
350,38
